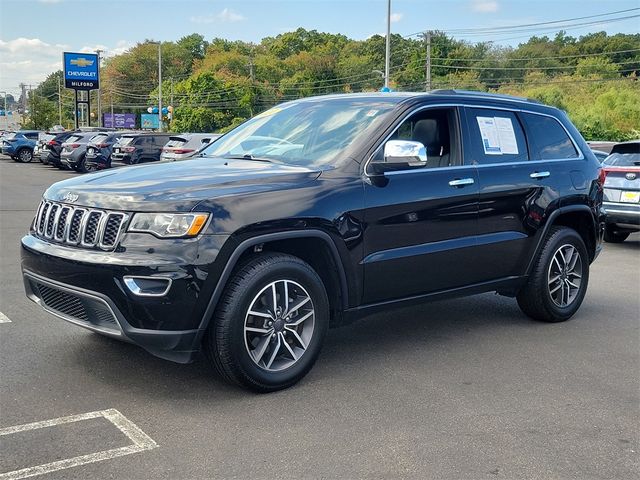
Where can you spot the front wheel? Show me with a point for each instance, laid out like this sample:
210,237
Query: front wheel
558,281
270,323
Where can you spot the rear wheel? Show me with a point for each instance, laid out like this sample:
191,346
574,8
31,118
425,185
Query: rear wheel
613,236
270,323
25,155
80,166
559,278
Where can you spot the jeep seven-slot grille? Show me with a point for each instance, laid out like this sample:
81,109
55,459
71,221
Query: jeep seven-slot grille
78,226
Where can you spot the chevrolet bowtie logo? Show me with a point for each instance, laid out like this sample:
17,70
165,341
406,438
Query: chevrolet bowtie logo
81,62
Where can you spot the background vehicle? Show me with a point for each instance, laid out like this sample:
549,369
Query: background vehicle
19,145
133,148
186,145
314,213
622,191
99,149
600,155
72,153
43,139
50,153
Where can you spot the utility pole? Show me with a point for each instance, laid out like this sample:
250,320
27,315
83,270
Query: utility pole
59,101
427,37
252,77
113,119
160,85
98,51
387,56
171,98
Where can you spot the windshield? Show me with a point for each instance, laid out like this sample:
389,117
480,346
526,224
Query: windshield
622,160
308,133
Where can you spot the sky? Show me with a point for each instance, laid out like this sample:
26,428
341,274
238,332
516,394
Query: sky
31,46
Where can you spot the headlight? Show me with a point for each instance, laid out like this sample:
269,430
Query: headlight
169,225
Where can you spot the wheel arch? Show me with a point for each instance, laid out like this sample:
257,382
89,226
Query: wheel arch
327,264
577,217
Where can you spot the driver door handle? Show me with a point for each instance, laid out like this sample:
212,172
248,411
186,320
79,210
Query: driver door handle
540,174
461,182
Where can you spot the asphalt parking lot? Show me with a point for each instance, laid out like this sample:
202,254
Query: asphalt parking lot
460,389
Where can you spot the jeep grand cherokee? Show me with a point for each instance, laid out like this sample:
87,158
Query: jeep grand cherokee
317,212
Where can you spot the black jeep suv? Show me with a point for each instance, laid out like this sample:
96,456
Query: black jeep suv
317,212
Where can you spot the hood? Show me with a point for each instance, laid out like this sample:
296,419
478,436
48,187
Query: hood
176,186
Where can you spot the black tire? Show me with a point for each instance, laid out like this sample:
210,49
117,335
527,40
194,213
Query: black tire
225,339
535,298
25,155
80,166
613,236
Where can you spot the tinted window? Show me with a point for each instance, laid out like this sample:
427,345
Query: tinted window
100,138
549,139
622,160
496,136
437,130
32,135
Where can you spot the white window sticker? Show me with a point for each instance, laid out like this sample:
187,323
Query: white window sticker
498,136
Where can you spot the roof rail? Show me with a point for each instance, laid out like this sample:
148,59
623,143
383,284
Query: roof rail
475,93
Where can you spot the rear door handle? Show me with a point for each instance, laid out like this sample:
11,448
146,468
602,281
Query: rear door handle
461,182
540,174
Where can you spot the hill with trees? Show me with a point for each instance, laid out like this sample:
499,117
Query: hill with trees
216,84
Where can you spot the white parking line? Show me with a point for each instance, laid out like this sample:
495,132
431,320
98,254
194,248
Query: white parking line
4,318
141,441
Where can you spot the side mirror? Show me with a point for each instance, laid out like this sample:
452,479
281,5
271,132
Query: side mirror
401,155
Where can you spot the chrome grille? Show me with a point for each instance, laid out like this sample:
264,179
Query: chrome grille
79,226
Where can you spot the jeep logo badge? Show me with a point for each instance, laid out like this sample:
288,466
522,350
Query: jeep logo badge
70,197
630,176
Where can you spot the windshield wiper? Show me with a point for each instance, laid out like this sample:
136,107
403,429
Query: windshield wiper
248,156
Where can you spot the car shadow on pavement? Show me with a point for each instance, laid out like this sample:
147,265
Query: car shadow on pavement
425,327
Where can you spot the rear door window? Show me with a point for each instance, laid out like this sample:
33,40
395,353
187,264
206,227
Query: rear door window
495,136
549,140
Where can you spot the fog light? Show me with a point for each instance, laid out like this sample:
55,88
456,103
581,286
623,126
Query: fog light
148,286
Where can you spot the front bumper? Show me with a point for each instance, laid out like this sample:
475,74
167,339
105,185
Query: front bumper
626,215
87,288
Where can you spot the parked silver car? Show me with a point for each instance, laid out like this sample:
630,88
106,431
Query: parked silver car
622,191
186,145
74,150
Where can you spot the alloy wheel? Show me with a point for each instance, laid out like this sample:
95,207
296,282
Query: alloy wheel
279,325
565,275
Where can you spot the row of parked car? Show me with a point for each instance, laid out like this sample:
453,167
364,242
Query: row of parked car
90,149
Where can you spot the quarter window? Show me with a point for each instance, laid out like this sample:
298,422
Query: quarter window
496,136
549,140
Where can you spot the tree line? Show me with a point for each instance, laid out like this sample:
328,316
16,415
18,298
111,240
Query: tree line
215,85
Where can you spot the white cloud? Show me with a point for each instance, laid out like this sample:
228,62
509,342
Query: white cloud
485,6
49,1
31,60
396,17
226,15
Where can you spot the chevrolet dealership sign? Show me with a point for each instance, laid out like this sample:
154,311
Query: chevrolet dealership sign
81,71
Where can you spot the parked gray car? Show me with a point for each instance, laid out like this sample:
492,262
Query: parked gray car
622,191
186,145
73,152
99,150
